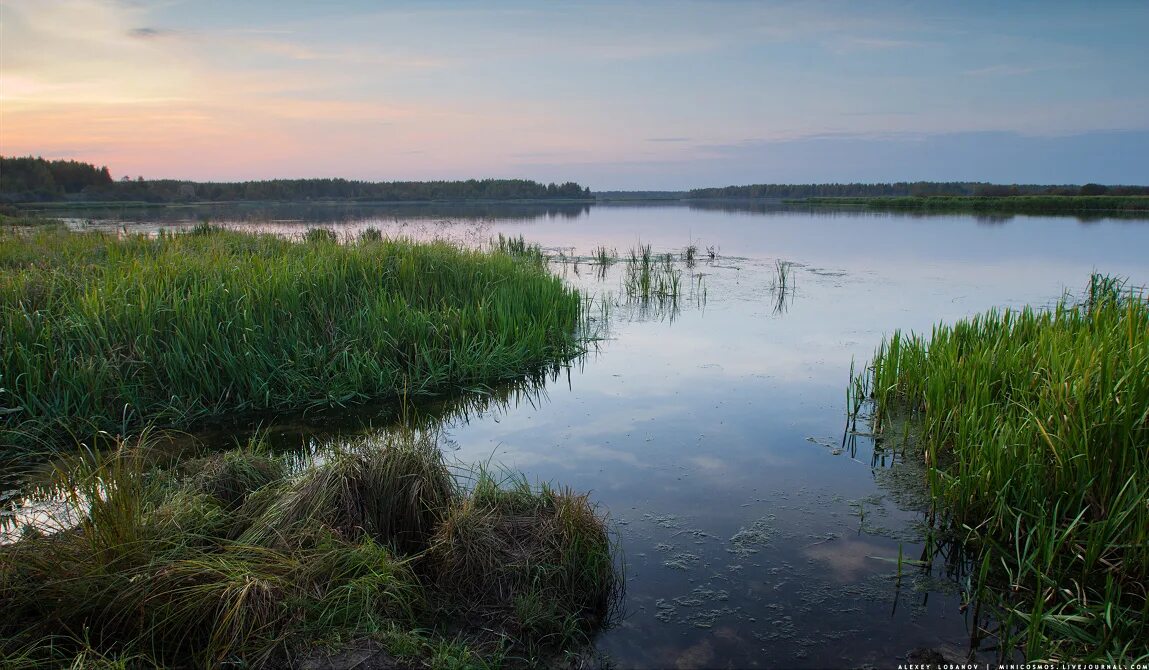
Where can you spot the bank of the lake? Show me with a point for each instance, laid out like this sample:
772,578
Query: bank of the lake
1034,428
1019,204
375,551
108,332
266,559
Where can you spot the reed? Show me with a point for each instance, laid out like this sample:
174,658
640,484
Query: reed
652,278
1034,425
782,285
690,255
107,332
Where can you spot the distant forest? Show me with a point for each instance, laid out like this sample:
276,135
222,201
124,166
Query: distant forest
902,188
32,179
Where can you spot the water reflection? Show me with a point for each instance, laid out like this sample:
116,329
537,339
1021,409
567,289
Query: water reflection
322,213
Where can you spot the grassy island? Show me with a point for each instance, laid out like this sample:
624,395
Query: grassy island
107,332
1034,426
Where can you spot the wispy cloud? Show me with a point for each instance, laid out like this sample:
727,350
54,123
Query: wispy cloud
347,55
854,44
149,33
1003,70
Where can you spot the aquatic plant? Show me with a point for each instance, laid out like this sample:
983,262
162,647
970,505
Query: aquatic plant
603,257
1034,426
518,247
652,278
106,332
320,236
782,285
690,255
370,234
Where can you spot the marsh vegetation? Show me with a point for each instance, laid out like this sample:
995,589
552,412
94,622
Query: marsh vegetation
247,558
107,332
1033,427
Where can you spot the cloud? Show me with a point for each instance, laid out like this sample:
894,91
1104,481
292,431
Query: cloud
844,45
345,55
148,33
1001,71
668,139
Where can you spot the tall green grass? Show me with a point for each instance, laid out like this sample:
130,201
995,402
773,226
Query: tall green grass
248,560
1035,430
106,332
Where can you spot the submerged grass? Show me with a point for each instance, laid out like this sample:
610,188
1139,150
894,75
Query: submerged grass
1035,430
376,540
106,332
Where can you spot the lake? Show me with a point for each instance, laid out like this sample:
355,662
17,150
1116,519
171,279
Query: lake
753,533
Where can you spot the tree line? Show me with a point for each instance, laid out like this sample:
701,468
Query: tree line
31,179
917,188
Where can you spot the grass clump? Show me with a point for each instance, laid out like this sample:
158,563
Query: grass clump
162,567
518,247
1035,431
396,499
652,278
371,234
320,236
106,332
538,561
604,257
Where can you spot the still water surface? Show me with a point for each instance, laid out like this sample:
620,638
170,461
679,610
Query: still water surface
752,536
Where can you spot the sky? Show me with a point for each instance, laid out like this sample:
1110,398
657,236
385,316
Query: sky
614,95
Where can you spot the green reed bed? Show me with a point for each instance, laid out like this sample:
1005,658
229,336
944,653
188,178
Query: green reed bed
244,559
1035,428
106,332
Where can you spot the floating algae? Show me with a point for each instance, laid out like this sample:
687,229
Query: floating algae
682,561
906,484
706,618
781,628
664,520
749,541
665,612
689,609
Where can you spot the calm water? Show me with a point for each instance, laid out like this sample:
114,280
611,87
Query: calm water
713,434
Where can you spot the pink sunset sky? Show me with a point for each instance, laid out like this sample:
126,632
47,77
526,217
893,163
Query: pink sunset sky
614,95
